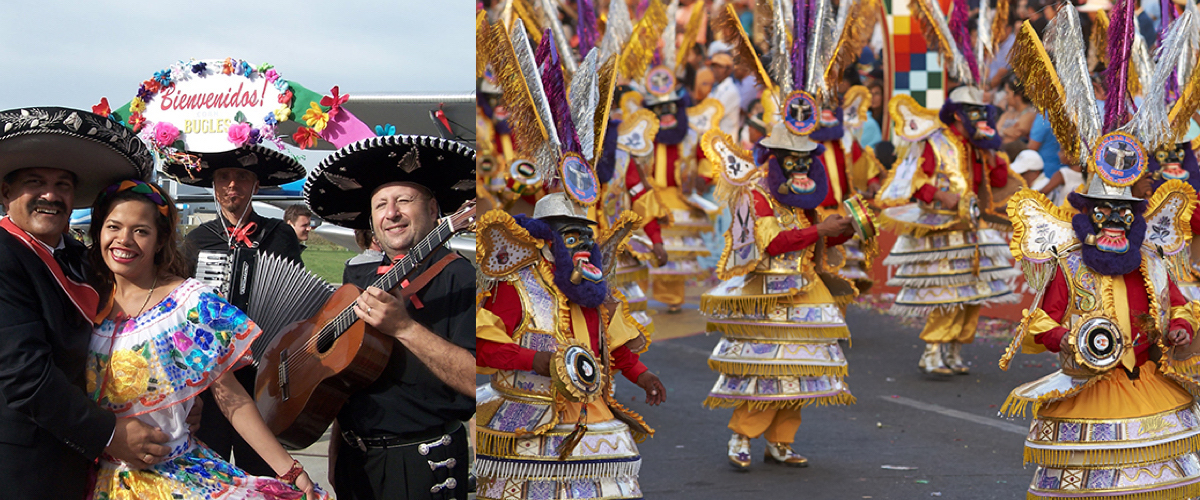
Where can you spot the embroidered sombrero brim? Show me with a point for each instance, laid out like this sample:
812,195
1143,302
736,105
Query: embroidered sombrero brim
339,190
97,150
273,167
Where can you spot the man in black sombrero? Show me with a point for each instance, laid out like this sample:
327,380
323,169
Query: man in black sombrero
402,436
235,177
51,432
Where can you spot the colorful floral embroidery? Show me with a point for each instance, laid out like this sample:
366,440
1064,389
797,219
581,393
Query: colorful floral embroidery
167,354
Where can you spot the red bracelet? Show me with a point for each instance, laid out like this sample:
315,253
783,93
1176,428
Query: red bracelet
292,474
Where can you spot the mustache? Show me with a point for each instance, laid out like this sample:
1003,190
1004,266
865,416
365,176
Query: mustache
53,205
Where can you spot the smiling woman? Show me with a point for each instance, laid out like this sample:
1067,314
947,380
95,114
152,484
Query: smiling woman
162,340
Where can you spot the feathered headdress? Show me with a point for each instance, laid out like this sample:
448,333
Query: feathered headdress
809,45
1056,77
562,132
951,38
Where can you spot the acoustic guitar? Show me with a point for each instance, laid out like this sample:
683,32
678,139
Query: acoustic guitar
308,372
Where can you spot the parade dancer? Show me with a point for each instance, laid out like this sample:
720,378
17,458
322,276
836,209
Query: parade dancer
1116,421
547,327
775,307
946,196
675,167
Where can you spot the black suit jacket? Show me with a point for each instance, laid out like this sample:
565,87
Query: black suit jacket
50,430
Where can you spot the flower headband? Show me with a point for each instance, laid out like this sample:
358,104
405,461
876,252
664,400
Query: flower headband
150,191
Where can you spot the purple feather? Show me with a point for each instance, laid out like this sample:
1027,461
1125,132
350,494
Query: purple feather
645,4
803,25
1120,42
587,27
556,92
962,36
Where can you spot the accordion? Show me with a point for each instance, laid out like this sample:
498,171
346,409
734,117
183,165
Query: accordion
273,291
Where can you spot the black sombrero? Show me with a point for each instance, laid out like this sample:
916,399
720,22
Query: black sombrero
339,189
273,167
98,150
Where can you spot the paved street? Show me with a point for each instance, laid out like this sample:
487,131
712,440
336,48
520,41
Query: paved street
944,435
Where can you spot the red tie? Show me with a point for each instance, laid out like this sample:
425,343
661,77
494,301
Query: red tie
242,234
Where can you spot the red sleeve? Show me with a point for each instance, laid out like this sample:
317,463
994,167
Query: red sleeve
633,178
1177,299
787,241
653,231
628,362
998,177
506,304
503,356
1054,303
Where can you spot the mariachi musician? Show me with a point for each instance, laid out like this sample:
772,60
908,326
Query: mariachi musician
402,436
235,177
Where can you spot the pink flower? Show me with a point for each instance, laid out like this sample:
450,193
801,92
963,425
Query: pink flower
165,134
182,341
272,75
239,134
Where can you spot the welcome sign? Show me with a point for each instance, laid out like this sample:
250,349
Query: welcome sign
204,99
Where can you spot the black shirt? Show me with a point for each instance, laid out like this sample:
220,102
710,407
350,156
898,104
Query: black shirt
408,398
271,236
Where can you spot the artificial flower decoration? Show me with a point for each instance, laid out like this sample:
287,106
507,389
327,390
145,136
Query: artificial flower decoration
271,75
255,136
179,72
144,93
270,119
385,129
239,134
102,109
264,67
334,103
286,98
227,67
165,134
283,113
163,77
152,86
281,85
137,105
315,117
245,69
199,68
305,137
137,121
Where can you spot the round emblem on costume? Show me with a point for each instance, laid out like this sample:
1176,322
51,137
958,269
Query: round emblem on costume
660,81
801,112
576,373
579,179
1099,343
525,177
1120,159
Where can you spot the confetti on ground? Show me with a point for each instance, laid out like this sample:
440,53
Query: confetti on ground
897,467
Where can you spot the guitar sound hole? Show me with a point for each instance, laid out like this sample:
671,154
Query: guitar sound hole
325,342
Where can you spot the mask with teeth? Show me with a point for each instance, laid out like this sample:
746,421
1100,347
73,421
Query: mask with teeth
1175,161
794,178
1112,231
829,125
578,264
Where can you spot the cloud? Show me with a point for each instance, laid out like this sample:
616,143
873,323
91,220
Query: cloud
71,53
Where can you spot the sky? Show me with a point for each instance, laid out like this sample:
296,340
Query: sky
72,53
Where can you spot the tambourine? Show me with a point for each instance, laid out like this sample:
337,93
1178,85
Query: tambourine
1098,344
862,218
577,374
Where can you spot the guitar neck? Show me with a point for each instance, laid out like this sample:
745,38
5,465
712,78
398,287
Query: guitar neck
434,240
